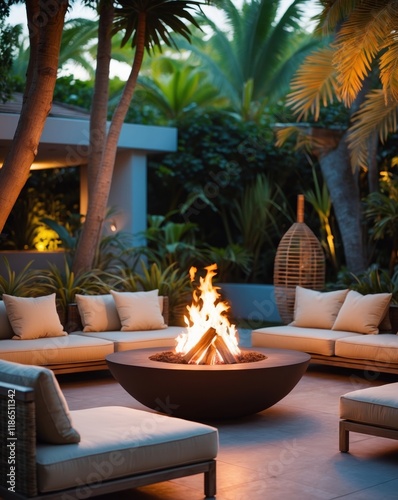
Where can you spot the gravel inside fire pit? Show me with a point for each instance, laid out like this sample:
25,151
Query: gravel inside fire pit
175,357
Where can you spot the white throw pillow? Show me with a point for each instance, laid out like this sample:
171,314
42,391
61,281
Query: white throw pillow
139,310
313,309
33,317
53,420
362,313
5,326
98,313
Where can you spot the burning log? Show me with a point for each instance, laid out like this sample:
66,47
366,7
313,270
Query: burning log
205,350
221,346
201,346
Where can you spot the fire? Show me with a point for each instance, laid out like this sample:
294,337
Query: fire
209,337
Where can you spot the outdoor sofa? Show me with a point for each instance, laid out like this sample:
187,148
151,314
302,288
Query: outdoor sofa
340,328
31,331
50,452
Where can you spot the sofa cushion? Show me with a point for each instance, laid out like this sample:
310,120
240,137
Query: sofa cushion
6,331
72,349
53,422
313,309
380,348
139,310
33,317
373,405
117,442
98,313
143,339
362,313
311,340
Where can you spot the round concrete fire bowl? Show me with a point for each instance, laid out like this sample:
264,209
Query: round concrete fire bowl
208,391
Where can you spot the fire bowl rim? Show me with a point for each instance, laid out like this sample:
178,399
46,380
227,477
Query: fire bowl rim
141,359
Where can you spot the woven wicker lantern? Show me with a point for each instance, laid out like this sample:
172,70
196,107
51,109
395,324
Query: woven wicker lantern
299,261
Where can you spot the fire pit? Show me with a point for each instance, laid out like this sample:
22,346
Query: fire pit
206,392
207,376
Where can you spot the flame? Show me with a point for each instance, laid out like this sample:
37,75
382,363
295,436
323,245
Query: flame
205,312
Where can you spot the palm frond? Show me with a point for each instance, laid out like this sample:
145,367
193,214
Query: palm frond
389,67
314,83
375,114
357,44
333,13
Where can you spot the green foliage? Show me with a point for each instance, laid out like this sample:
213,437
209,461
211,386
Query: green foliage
255,216
70,90
169,242
373,280
26,283
171,281
8,40
381,214
223,155
233,261
65,284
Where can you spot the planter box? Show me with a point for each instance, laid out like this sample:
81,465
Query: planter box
253,302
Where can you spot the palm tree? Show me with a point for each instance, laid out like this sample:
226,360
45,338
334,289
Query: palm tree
253,57
363,55
145,23
364,47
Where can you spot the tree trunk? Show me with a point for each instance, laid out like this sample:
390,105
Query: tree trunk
99,110
97,205
343,186
45,32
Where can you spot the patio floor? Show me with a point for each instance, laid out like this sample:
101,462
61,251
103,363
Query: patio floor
287,451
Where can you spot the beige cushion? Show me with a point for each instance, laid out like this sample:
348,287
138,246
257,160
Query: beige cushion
55,351
362,313
313,309
5,325
139,310
373,405
311,340
117,442
33,317
374,348
53,422
98,313
140,339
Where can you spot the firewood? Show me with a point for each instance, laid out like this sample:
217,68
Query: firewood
210,357
227,356
200,347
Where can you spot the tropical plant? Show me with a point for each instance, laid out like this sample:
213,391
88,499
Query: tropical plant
27,282
171,281
253,55
255,217
176,88
374,280
356,40
233,261
66,284
381,212
169,242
